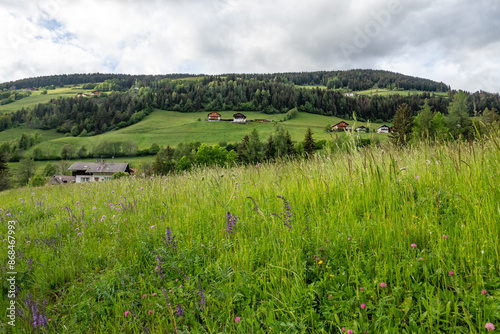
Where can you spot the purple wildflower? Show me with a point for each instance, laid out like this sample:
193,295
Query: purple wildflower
169,240
179,310
231,223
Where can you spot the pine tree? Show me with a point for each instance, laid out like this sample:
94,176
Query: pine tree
4,172
309,144
403,122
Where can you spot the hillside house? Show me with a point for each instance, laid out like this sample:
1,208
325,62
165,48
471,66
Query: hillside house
239,118
341,126
383,129
349,94
97,171
361,129
213,116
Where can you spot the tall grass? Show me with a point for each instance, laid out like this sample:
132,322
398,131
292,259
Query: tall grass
313,241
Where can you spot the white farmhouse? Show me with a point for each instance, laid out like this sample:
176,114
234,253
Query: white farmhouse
97,171
383,129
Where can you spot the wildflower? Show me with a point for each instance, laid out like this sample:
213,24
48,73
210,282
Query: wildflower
126,313
179,310
237,319
361,289
413,245
363,306
383,285
349,331
343,329
150,311
169,240
420,259
348,239
489,326
79,234
144,296
451,273
418,177
329,296
444,236
320,262
152,226
483,292
154,294
231,223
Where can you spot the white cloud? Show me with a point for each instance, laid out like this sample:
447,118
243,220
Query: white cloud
451,41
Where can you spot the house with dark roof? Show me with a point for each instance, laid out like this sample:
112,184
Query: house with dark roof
341,126
239,118
97,171
361,129
384,129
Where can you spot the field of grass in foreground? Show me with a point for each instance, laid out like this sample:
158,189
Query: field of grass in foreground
375,241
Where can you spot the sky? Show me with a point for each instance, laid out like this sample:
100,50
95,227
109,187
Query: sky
453,41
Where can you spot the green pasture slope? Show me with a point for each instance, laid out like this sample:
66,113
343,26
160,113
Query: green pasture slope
171,128
376,241
36,97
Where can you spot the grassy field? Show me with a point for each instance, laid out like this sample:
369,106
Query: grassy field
36,97
400,92
15,133
376,241
171,128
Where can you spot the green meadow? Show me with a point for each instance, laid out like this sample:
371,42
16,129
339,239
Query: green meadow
171,128
36,97
380,240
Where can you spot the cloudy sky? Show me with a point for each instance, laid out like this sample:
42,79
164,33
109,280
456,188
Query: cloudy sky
454,41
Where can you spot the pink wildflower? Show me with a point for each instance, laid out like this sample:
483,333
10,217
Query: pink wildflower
451,273
483,292
363,306
489,326
413,245
150,311
144,296
383,285
349,331
126,313
237,319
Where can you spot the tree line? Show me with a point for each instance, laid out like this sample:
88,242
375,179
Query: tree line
431,125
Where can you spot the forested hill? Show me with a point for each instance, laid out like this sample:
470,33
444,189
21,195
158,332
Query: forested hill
124,105
359,80
124,81
353,80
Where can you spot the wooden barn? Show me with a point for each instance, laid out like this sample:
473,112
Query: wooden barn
214,116
340,126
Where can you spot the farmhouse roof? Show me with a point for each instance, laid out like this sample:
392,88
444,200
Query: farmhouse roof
100,167
60,179
342,123
384,126
214,113
239,115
